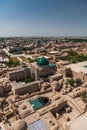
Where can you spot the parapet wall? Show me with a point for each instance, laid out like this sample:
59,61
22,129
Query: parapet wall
78,75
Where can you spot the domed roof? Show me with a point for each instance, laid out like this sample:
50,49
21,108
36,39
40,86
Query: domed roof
45,84
55,127
54,83
26,112
42,61
23,107
19,125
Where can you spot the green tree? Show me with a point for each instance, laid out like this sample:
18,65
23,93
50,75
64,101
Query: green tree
29,79
31,60
11,63
84,96
78,81
71,81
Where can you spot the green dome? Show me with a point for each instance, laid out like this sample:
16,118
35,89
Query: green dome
42,61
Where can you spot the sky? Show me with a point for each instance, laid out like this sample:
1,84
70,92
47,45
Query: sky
43,18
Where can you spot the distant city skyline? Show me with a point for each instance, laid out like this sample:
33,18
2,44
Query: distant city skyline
43,18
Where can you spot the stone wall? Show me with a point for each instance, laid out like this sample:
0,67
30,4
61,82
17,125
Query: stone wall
28,88
85,78
19,75
59,107
55,77
78,75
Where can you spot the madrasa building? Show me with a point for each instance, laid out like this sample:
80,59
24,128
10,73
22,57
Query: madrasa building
42,68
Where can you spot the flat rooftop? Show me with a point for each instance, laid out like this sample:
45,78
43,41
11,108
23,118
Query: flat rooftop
53,52
78,67
18,85
80,123
39,125
18,70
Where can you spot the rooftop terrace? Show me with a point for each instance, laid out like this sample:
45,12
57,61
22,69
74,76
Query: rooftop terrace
78,67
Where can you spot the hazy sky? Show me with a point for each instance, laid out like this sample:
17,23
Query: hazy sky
43,17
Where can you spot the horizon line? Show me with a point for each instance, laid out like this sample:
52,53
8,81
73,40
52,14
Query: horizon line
40,36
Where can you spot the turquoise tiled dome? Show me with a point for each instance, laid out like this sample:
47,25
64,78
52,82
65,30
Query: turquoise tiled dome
42,61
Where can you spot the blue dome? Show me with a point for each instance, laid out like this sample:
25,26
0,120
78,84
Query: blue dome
42,61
